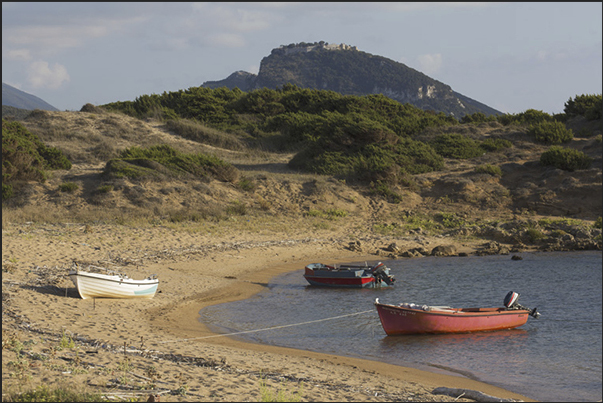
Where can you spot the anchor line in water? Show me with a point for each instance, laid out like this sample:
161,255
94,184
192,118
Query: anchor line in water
268,328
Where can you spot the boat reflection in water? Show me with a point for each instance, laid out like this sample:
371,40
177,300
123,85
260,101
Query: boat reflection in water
450,340
509,346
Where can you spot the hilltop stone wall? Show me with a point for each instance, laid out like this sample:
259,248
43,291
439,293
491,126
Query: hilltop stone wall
304,49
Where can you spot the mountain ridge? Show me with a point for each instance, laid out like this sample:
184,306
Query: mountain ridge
16,98
349,71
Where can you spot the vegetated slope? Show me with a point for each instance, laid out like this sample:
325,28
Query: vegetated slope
268,191
349,71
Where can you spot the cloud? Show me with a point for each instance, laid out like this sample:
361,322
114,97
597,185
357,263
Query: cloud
18,55
430,63
235,16
41,75
430,6
226,40
545,56
49,38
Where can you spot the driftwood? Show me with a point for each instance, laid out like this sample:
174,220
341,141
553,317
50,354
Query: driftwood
470,394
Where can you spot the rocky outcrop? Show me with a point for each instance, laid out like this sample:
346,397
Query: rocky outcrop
444,250
348,71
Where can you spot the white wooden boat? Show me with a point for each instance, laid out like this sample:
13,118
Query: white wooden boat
97,285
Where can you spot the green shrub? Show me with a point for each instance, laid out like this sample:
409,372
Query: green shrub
336,213
54,158
7,191
567,159
489,169
66,341
495,144
68,187
104,189
409,181
44,393
450,220
382,188
454,145
597,223
529,117
246,185
117,168
92,109
163,161
589,106
551,133
236,208
478,117
21,159
25,157
534,234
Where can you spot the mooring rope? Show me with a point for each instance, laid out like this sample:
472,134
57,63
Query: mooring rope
268,328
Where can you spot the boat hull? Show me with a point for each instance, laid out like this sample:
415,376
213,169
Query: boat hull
346,276
398,320
95,285
350,282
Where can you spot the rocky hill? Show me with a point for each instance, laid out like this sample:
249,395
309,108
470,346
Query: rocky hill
348,71
22,100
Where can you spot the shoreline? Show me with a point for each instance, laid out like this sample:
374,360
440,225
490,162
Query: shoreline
41,307
426,378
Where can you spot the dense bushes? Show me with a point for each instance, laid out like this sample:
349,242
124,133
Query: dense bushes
493,144
454,145
365,137
489,169
589,106
159,162
25,157
551,133
367,156
528,117
566,158
478,117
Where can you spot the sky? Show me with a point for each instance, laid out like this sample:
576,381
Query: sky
509,56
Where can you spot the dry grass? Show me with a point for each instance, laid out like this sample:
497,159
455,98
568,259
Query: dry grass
267,187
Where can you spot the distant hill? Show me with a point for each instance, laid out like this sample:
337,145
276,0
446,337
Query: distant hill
22,100
348,71
10,112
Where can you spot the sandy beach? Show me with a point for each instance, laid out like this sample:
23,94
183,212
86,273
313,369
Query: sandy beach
167,350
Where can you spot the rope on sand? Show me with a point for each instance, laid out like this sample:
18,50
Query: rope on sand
268,328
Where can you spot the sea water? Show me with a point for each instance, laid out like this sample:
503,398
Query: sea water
556,357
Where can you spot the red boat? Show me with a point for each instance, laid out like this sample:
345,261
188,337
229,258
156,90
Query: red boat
418,319
348,276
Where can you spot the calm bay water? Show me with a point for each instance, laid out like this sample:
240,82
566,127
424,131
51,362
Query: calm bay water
554,358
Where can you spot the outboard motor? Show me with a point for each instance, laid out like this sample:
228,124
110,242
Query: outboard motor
511,303
379,273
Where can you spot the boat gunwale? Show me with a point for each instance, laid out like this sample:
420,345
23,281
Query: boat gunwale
458,311
339,277
121,280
